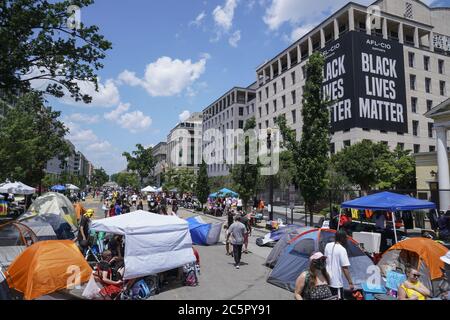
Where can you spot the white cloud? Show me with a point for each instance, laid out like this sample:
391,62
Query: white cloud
166,77
301,15
184,115
199,19
133,121
223,16
234,39
102,146
77,135
83,118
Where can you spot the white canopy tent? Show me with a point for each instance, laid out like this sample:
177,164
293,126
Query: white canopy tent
16,188
153,243
148,189
72,187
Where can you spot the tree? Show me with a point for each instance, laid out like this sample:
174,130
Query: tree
38,43
202,189
142,162
311,153
127,179
245,176
396,170
183,179
360,162
30,135
99,178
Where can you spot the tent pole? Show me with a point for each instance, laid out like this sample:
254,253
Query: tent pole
395,229
339,218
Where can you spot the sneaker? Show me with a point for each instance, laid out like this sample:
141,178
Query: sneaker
237,267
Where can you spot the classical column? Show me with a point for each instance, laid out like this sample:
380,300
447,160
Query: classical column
336,29
310,46
264,76
322,38
299,53
271,71
443,169
385,29
431,41
289,63
351,20
280,67
400,33
416,37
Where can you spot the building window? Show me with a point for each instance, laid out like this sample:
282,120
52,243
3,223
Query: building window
431,148
304,72
267,108
429,105
430,129
259,110
441,66
294,116
384,143
332,148
293,77
347,143
283,101
411,59
414,104
401,145
426,63
427,85
248,110
259,126
283,83
415,125
241,111
294,97
267,92
267,124
241,124
274,88
442,87
260,96
274,105
412,82
416,148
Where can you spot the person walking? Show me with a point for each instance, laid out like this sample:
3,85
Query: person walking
235,234
338,264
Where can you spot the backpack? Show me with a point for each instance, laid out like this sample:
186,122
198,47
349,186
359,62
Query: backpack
190,275
140,291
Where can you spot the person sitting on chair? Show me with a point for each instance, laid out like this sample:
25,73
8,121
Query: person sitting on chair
111,288
412,288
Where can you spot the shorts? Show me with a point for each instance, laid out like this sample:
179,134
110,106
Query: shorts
110,290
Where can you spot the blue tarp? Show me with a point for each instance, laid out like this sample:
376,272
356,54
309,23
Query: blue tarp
226,191
199,231
388,201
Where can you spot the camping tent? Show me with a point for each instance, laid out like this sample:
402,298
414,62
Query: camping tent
388,201
53,204
271,238
16,188
295,258
289,233
204,233
72,187
153,243
14,238
148,189
46,267
213,195
49,227
421,253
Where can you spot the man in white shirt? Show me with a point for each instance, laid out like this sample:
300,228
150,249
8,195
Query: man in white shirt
338,264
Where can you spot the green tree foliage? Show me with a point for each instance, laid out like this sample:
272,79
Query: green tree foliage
99,178
30,135
38,43
372,165
202,189
183,179
311,153
126,179
245,176
141,161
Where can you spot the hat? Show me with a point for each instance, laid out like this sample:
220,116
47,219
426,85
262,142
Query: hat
89,213
446,258
316,256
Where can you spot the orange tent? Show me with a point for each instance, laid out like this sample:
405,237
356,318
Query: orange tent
46,267
429,252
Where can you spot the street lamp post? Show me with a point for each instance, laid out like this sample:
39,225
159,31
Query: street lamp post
269,147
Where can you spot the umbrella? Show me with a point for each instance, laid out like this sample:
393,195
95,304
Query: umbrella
16,188
227,192
148,189
72,187
58,188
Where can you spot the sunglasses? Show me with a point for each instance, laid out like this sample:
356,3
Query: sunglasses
415,275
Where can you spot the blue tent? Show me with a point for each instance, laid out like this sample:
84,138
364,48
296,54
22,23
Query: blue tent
226,192
388,201
213,195
203,233
58,188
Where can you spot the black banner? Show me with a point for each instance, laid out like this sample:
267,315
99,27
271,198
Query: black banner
364,78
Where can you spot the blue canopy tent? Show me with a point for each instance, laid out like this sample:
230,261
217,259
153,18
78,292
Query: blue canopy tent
203,233
227,192
388,201
58,187
213,195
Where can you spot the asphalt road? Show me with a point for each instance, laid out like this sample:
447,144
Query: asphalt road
218,277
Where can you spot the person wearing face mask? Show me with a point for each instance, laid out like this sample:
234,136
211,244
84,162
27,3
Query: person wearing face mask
314,284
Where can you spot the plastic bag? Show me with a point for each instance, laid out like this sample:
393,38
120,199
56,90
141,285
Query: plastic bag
92,290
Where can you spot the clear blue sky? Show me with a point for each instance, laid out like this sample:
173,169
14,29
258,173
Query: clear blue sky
173,56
